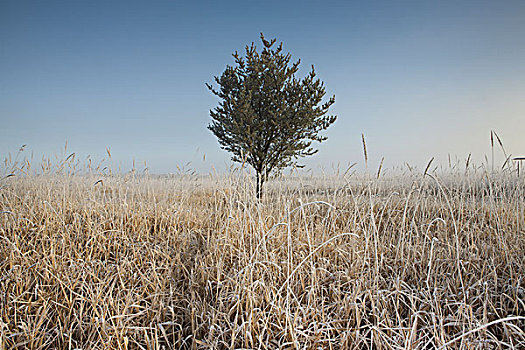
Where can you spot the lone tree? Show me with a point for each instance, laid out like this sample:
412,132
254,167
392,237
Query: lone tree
267,117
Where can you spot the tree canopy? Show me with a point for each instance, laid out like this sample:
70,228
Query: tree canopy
266,116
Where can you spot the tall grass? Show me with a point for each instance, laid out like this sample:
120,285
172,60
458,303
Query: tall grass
408,261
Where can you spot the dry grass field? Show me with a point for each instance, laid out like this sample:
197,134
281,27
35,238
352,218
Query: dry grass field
337,262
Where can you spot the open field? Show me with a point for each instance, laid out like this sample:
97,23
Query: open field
145,262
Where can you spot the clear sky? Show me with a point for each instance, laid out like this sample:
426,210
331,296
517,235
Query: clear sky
420,79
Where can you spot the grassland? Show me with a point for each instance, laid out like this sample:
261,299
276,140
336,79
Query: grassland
338,262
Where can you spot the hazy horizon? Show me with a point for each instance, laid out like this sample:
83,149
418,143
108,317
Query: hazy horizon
418,79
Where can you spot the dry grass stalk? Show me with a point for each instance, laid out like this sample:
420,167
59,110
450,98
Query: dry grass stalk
364,149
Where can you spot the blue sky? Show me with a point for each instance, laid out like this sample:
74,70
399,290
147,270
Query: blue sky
420,79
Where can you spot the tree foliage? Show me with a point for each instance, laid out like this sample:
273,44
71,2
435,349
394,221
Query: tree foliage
266,116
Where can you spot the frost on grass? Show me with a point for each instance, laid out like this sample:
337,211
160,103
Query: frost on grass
196,262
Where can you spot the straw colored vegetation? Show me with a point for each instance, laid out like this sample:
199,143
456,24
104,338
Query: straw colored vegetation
145,262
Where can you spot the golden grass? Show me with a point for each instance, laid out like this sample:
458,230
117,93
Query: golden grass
145,262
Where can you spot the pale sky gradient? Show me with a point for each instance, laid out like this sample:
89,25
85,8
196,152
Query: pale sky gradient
420,79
